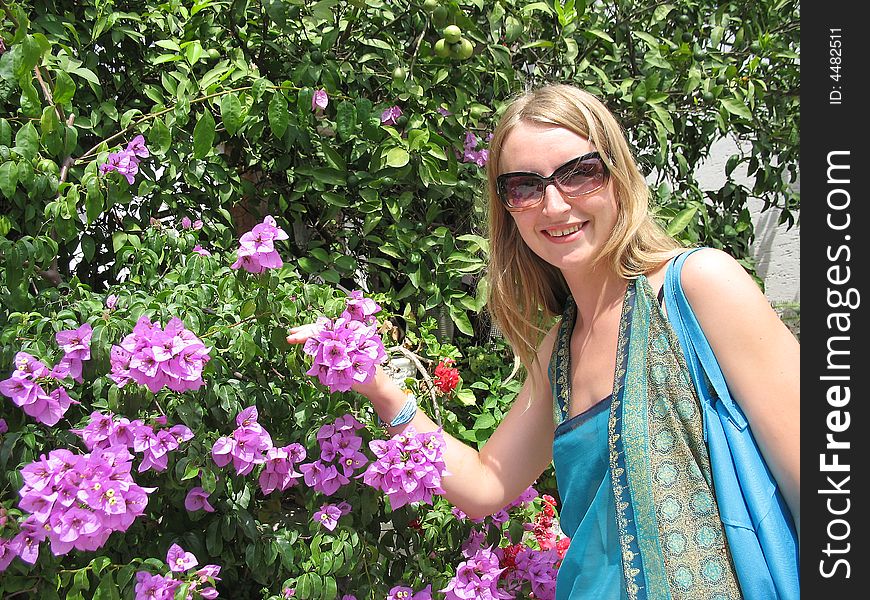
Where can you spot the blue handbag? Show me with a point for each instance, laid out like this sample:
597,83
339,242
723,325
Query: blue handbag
758,525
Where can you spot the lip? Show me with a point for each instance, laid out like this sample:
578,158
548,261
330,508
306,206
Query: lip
565,238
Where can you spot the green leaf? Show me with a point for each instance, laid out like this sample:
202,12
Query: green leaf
279,117
8,178
231,113
93,198
203,135
466,397
345,120
86,74
159,137
681,220
107,589
462,321
27,141
64,87
736,107
29,101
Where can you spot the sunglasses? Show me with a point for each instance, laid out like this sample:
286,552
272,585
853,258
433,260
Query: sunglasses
577,177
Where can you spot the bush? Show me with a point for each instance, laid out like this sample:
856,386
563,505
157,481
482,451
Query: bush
140,142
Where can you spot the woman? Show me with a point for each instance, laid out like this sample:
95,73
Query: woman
607,398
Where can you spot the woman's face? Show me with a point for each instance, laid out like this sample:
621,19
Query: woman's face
566,232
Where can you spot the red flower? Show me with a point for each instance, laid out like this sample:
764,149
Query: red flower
446,376
562,546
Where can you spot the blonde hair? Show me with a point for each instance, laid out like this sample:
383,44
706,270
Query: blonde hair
525,292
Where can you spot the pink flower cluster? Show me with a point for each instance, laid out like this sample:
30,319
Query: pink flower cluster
339,449
250,445
409,466
256,251
478,578
162,587
26,388
470,153
156,357
126,162
348,349
76,501
105,430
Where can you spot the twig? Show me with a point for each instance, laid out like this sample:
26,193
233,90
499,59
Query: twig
429,383
515,370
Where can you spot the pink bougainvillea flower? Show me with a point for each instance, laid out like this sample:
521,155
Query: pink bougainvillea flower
179,560
111,301
346,351
197,499
257,251
201,251
158,357
185,223
76,342
137,147
319,100
327,516
391,115
155,585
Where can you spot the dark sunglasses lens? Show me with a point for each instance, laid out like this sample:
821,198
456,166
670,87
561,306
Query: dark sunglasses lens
521,191
582,177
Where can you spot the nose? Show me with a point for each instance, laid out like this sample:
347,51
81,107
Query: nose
554,202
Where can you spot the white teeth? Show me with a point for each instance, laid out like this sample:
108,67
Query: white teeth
564,232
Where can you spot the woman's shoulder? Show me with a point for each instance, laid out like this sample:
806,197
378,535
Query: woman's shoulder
713,278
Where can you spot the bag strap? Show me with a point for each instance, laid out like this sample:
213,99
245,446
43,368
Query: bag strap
699,355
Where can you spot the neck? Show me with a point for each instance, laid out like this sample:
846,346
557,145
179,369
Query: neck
595,291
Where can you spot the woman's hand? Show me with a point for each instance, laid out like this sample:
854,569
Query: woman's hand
301,333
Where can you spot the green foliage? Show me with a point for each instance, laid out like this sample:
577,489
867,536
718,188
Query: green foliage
222,92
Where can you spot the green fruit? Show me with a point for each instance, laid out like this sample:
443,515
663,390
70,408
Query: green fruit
452,34
699,55
721,79
684,19
402,121
687,36
755,46
430,5
213,53
439,15
640,100
352,180
441,48
464,50
316,57
708,96
47,166
399,75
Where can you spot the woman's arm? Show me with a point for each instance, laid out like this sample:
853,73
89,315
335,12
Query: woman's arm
479,483
759,356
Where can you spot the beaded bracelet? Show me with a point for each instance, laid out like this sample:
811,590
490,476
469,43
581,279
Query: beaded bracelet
406,413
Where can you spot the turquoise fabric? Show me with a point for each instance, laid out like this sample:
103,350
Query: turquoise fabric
592,567
633,472
758,524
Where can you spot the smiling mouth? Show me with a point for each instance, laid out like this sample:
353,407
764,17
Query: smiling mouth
562,232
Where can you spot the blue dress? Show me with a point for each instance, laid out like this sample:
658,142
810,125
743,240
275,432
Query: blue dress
592,567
